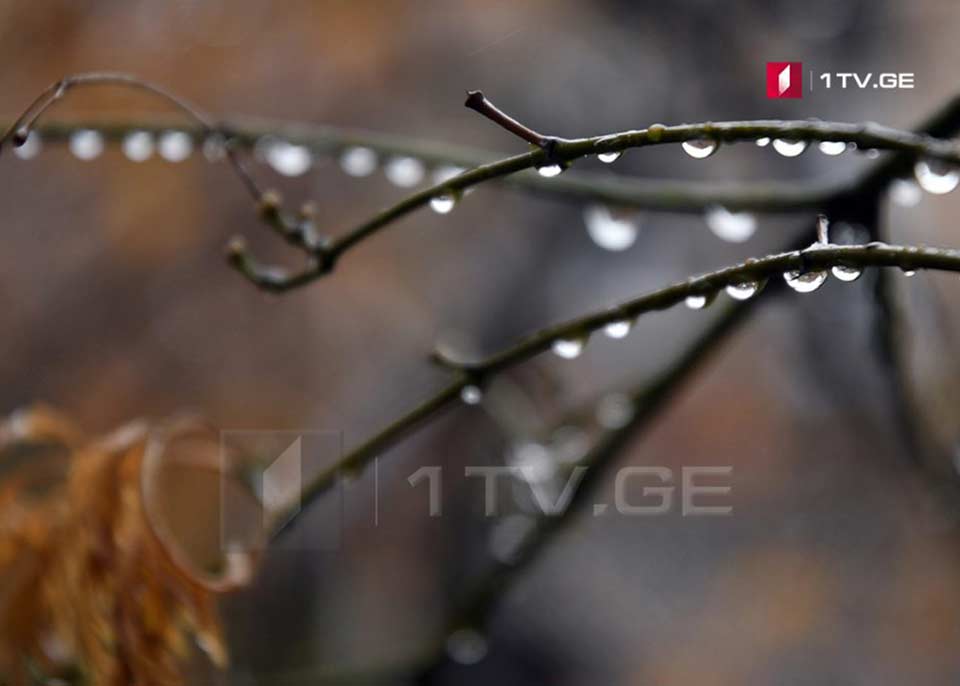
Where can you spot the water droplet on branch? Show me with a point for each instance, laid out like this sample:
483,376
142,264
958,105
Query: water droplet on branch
404,172
743,290
610,157
734,227
607,231
30,146
86,144
618,329
844,273
442,204
568,348
471,395
936,177
175,146
832,147
789,148
805,282
138,146
288,159
699,301
905,193
614,411
699,149
763,142
534,461
215,147
466,647
550,170
358,161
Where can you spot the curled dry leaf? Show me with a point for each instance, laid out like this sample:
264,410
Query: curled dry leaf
110,555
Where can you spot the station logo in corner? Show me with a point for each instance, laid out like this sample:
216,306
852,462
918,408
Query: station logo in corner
784,79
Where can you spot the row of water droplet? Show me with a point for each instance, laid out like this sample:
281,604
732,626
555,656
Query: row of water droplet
800,281
287,159
617,232
608,231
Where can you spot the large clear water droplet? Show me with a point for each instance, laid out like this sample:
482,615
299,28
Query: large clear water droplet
789,148
610,157
618,329
699,149
471,395
466,647
607,231
832,147
568,348
905,193
936,177
288,159
175,146
844,273
358,161
743,290
404,171
734,227
30,146
909,272
805,282
442,204
550,170
138,146
763,142
699,301
86,144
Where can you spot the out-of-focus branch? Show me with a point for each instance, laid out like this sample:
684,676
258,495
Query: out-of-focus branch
648,399
19,130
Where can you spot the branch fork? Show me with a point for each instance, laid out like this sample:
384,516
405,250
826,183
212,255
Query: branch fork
478,102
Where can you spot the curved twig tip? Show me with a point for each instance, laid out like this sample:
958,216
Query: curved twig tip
474,100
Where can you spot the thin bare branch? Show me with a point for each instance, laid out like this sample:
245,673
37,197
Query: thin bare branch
755,271
551,151
477,102
574,186
648,399
19,130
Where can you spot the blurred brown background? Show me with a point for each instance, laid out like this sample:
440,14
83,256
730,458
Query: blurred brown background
839,564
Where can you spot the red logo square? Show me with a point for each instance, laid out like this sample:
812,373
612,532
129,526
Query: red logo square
784,79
